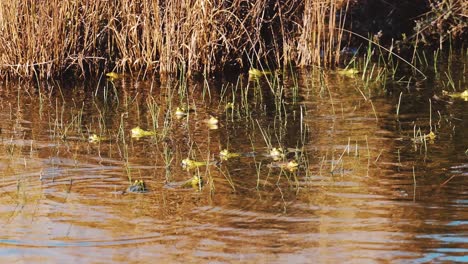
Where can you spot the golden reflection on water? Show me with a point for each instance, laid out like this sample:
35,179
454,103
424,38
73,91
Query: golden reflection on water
353,198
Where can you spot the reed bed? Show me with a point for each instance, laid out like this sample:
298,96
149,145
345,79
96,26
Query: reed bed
45,39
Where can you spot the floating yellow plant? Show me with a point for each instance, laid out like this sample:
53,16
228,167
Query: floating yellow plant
137,132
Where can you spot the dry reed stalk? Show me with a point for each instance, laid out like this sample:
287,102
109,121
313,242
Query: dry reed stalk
319,43
47,38
43,39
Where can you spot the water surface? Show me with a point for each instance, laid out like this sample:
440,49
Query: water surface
366,191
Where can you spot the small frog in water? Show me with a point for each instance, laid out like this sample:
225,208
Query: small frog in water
192,164
255,74
288,165
95,138
276,153
114,75
350,72
225,154
463,95
212,122
137,187
229,105
195,182
137,132
182,111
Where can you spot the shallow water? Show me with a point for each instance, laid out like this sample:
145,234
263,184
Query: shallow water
364,192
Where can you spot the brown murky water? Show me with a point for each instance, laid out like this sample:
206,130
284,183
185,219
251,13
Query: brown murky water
364,191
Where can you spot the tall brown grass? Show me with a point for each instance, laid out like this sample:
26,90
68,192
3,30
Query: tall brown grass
46,38
322,31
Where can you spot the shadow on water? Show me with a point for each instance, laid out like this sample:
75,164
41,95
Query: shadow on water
366,188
